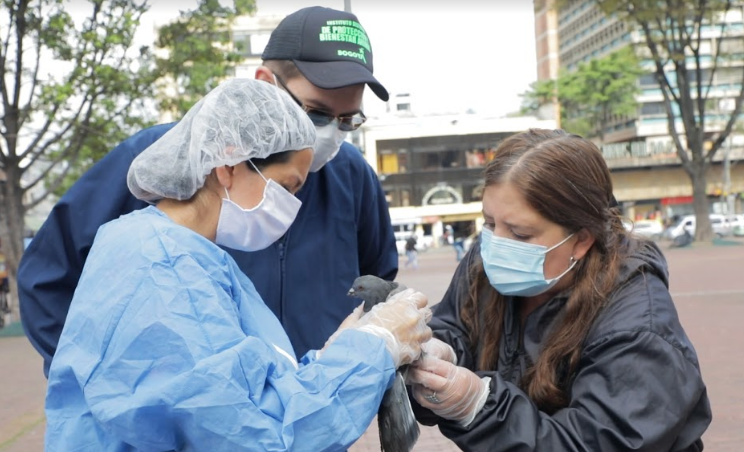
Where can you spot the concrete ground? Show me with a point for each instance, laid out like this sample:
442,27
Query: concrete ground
707,282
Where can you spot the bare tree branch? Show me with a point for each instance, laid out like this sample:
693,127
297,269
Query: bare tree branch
34,153
717,54
26,110
4,58
73,148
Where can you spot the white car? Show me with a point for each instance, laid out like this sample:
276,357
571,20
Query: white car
719,223
737,224
650,229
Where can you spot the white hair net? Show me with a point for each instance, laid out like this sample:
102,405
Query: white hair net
240,119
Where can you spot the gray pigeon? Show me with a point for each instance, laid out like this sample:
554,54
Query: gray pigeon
374,290
398,428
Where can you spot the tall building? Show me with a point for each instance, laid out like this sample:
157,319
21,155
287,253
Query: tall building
546,43
645,167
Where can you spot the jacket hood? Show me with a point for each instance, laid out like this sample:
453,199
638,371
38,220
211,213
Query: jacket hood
645,256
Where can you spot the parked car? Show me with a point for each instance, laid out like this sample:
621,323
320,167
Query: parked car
737,224
721,226
650,229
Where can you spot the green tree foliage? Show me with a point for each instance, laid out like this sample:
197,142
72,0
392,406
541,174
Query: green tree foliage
200,53
688,66
69,79
592,94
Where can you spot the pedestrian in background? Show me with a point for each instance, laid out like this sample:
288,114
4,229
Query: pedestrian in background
411,252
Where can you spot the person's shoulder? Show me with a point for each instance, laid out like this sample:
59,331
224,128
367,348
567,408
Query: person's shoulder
152,229
642,304
144,138
349,156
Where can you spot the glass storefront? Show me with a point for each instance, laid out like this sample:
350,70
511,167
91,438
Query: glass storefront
435,170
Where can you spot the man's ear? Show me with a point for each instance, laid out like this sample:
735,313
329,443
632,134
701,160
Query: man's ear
584,242
263,73
224,176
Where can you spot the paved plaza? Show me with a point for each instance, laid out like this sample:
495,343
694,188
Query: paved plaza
707,282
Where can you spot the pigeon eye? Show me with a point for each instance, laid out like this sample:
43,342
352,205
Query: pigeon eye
361,287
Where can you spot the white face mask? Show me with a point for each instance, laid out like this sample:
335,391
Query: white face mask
327,144
257,228
328,139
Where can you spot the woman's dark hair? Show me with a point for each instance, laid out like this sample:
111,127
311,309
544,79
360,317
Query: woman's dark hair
279,157
564,178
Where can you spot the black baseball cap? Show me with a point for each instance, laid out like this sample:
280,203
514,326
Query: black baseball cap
329,47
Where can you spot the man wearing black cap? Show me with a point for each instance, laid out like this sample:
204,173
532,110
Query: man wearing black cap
323,59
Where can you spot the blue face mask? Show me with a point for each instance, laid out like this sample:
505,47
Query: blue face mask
517,268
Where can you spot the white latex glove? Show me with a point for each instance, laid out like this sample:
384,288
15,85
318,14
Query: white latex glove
401,322
451,392
350,320
442,350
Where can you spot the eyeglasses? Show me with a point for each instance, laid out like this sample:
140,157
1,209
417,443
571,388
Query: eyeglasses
321,118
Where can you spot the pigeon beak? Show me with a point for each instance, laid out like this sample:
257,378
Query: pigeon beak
351,292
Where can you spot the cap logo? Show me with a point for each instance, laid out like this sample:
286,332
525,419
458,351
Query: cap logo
359,55
346,31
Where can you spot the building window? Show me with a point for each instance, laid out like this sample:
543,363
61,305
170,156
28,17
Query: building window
250,45
647,80
653,108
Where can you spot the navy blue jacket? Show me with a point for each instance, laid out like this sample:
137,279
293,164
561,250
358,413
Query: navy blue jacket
343,230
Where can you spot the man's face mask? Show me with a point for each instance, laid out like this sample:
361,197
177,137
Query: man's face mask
327,144
330,130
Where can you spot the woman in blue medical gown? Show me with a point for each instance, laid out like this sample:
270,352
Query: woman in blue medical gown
168,346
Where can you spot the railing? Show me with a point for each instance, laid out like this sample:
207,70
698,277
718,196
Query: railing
641,153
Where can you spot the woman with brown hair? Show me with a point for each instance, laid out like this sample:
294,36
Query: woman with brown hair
563,334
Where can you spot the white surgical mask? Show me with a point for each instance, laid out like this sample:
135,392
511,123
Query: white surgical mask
257,228
327,144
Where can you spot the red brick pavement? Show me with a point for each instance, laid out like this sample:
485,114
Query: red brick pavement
708,287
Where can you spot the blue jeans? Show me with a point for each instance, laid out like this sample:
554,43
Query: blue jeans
459,247
412,258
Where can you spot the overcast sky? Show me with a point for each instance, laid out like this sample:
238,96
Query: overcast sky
450,55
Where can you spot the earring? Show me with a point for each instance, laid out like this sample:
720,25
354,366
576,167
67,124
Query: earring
571,260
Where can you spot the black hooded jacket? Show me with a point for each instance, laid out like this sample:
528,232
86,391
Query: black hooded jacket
637,386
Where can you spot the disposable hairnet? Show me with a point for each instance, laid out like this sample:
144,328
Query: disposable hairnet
240,119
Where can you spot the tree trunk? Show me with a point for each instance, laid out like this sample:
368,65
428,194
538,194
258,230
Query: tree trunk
12,233
703,229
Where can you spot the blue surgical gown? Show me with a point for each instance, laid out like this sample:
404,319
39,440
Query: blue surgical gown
168,346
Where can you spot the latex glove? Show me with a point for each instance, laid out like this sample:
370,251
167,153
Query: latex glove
442,350
348,322
401,322
459,394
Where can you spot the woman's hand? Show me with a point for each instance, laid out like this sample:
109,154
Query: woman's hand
449,391
401,323
442,350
